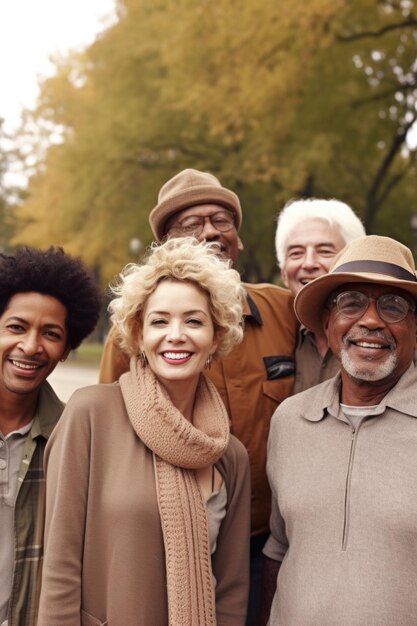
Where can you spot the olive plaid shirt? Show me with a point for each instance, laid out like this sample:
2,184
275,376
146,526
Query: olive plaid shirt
29,513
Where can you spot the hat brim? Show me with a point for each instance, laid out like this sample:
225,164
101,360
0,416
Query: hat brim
311,299
201,194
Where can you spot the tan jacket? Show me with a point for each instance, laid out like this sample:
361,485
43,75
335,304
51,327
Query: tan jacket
104,554
344,512
252,380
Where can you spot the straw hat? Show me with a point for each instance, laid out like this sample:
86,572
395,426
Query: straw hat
190,188
370,259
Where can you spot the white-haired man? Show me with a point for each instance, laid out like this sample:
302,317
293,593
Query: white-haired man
309,234
342,456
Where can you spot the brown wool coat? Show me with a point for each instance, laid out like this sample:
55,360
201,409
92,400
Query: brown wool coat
104,555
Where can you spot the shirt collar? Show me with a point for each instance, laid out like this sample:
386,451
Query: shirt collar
402,396
251,310
327,401
48,411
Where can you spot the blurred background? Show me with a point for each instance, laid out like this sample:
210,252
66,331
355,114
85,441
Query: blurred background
278,99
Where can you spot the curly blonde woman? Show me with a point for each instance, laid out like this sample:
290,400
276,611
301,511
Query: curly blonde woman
147,517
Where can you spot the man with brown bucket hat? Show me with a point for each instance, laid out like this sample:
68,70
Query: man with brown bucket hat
342,456
258,374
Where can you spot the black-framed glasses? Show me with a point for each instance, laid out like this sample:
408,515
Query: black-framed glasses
391,307
193,225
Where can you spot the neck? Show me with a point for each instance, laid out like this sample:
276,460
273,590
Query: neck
16,411
183,397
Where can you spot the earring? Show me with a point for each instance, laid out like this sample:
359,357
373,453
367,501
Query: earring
207,364
143,359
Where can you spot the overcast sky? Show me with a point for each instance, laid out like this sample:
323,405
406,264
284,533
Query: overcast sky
32,30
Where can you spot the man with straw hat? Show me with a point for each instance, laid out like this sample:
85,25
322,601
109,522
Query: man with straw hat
342,456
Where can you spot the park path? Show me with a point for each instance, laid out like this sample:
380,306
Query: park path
67,377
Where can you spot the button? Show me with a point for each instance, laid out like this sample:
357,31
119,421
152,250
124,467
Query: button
3,464
1,443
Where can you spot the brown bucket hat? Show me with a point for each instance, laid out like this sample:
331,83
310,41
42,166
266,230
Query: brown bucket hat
371,259
190,188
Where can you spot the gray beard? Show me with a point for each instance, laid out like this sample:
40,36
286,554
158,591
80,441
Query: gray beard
380,372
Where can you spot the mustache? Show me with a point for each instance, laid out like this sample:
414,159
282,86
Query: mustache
27,359
367,333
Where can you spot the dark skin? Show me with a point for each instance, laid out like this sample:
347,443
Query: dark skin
229,242
356,390
33,339
369,341
270,572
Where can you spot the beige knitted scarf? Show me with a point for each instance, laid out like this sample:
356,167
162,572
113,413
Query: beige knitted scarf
178,448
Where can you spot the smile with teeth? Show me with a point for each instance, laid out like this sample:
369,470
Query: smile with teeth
26,366
371,340
367,344
176,356
305,281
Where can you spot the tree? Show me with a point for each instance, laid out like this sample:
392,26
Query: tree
276,99
9,193
354,123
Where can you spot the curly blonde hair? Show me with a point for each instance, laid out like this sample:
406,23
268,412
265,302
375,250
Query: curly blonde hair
181,259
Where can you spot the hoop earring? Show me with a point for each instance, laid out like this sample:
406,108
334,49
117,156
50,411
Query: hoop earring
143,359
207,364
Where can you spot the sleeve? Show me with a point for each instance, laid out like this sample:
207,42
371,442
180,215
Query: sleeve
277,543
67,459
114,362
231,558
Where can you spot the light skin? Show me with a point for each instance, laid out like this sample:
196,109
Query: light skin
229,242
376,353
177,336
33,339
310,249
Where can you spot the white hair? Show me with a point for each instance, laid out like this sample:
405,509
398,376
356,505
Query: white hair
337,214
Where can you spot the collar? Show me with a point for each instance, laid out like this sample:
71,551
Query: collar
303,333
48,411
327,400
251,310
402,397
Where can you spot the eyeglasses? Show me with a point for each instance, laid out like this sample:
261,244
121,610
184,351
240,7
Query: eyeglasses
391,307
193,225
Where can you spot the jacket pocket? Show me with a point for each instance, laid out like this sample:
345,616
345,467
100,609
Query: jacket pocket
89,620
278,390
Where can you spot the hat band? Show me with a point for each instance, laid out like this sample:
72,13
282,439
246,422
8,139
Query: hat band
375,267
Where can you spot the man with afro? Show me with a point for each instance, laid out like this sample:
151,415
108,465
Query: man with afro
48,304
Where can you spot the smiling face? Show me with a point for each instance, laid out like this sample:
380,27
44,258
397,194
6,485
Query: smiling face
229,243
371,351
310,249
177,334
33,339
